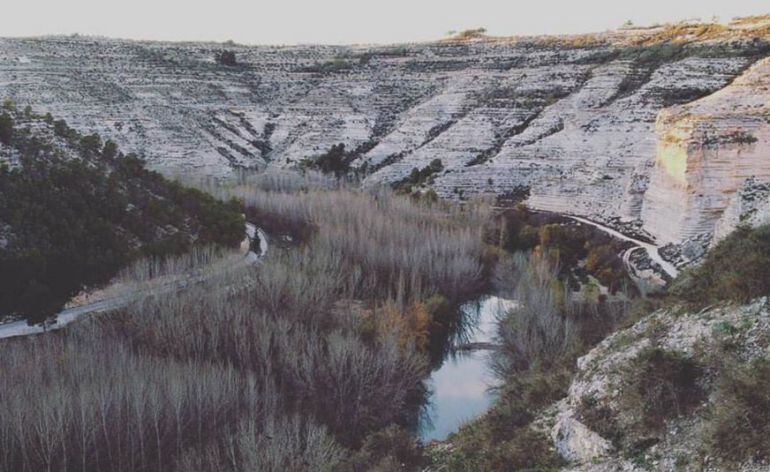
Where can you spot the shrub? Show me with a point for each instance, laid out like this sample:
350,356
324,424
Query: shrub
397,247
565,244
738,428
536,332
389,450
338,64
273,445
601,419
226,58
468,34
736,270
540,340
61,129
76,222
659,385
6,129
522,396
335,161
110,149
524,449
419,176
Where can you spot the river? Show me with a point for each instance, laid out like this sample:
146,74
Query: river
460,385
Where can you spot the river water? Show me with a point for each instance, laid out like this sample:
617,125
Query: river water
460,385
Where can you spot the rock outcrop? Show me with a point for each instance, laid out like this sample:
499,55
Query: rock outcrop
569,120
707,150
697,335
749,206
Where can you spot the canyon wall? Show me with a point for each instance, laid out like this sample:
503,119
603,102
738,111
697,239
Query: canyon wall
571,121
707,151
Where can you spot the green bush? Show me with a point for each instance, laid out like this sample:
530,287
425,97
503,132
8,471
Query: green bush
419,176
226,58
735,270
739,426
524,449
335,161
75,223
392,449
6,129
659,385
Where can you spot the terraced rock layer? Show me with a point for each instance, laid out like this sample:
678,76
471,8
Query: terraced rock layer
572,120
707,151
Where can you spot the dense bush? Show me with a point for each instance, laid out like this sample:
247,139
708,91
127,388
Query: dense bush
579,250
336,65
550,325
392,449
476,449
739,425
72,223
736,269
335,161
395,247
6,128
658,386
419,176
226,58
86,402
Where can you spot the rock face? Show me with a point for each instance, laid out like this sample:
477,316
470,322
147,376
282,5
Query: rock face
707,150
696,335
571,120
749,206
575,442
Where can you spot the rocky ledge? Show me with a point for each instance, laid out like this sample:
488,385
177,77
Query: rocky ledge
599,427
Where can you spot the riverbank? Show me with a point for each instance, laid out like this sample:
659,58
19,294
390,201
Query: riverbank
460,386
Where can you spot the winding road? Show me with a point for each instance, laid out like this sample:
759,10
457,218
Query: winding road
651,249
65,317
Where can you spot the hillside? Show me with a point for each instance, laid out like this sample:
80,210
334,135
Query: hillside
73,211
573,121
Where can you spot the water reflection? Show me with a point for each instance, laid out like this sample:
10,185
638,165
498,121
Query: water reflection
460,385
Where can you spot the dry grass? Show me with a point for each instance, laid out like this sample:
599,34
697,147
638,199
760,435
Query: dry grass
395,246
272,367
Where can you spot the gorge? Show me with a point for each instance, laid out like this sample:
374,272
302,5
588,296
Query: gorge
659,126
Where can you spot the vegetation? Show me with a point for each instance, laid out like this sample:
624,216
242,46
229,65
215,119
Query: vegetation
401,249
6,128
468,34
419,177
73,223
658,386
578,250
312,360
336,65
335,161
391,449
226,58
739,425
540,341
736,270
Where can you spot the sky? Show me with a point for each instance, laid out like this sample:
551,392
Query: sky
345,21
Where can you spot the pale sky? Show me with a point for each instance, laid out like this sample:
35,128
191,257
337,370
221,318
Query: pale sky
345,21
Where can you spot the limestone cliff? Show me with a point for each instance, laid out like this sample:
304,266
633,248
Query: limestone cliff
706,151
